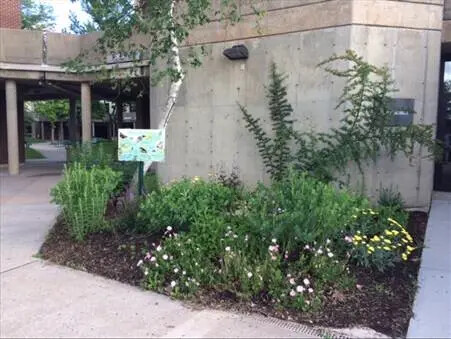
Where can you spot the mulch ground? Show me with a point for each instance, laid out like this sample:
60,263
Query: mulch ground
382,302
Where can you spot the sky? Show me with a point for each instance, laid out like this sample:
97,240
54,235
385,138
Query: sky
62,9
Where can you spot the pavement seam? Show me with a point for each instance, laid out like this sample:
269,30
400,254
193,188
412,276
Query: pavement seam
20,266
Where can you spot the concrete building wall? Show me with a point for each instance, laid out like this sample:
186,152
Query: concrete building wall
207,132
10,16
20,46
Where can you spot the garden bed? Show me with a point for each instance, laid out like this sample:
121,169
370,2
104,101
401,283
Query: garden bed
381,301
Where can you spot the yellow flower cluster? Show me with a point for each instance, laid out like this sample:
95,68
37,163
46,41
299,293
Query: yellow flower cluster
395,237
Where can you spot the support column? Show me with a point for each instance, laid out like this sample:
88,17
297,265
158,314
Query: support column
61,131
86,112
42,131
12,127
119,114
93,129
73,121
33,129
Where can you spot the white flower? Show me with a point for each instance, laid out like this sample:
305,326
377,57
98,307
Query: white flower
153,259
330,254
235,236
274,240
288,275
306,282
293,293
320,251
328,241
146,272
158,248
169,228
310,290
348,239
184,272
307,302
307,247
176,270
292,282
249,274
173,283
300,289
139,263
165,257
227,248
246,238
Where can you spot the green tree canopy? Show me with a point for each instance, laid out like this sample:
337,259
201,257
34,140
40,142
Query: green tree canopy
37,16
52,110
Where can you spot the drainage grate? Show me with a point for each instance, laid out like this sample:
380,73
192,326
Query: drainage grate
302,329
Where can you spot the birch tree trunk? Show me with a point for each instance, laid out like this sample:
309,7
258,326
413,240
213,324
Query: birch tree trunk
174,88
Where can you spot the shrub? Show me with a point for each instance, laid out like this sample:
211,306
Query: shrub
299,209
83,195
180,203
288,244
102,155
365,132
389,197
381,242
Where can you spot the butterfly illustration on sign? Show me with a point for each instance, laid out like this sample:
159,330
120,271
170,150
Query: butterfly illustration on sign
141,145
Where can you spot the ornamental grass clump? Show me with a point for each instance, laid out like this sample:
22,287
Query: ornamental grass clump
83,195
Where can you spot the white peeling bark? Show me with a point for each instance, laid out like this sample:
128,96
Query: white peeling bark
174,88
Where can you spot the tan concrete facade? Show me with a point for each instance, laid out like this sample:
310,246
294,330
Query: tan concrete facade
207,132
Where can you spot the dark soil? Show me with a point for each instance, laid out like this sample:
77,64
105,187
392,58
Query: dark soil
112,255
381,301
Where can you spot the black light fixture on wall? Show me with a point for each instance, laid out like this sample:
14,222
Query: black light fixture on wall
237,52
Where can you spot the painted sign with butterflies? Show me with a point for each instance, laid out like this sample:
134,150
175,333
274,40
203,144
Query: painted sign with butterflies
141,145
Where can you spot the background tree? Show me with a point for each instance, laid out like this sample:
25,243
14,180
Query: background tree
166,24
53,111
37,16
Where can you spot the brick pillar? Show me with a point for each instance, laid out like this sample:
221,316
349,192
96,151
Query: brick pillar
10,15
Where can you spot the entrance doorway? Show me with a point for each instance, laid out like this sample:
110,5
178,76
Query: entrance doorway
442,174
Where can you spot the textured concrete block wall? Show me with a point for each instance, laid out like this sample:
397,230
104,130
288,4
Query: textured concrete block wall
10,16
207,132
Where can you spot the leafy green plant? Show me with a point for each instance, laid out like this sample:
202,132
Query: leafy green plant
151,183
287,244
299,209
275,151
379,247
364,134
366,131
389,197
102,155
83,195
180,203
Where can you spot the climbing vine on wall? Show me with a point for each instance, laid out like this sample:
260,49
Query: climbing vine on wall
364,134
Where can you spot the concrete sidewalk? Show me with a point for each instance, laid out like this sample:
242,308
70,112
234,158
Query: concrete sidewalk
432,308
39,299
